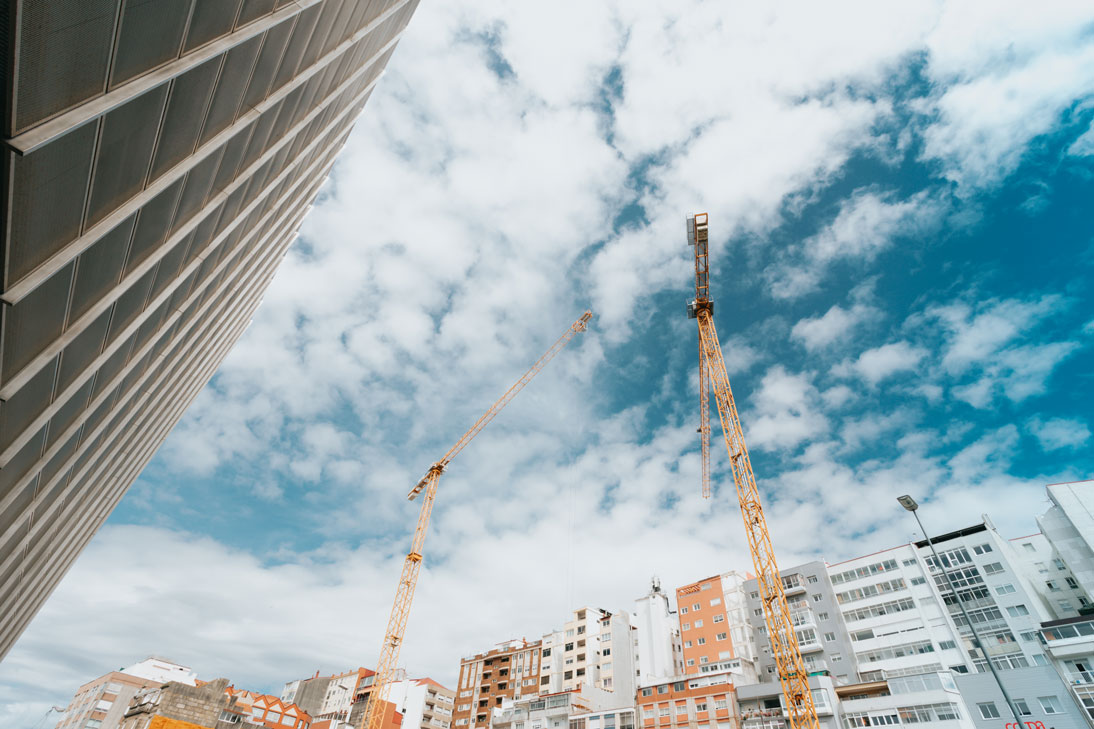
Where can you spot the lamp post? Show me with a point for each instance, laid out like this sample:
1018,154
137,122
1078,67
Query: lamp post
909,503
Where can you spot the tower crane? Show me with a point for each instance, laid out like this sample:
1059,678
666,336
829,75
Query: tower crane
780,627
375,710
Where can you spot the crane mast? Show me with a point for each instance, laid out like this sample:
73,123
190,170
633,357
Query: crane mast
780,627
375,709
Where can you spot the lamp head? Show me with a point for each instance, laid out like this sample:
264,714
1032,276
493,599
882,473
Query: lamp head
907,502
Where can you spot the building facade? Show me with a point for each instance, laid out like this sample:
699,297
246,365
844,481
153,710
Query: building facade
1069,526
158,161
487,680
659,652
706,701
102,703
822,635
713,623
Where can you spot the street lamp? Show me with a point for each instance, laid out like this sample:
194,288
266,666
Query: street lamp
909,503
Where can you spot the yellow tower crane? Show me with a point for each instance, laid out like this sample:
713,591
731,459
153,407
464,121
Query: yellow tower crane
780,627
374,714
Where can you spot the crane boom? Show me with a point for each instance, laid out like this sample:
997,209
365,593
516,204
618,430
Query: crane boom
784,642
375,709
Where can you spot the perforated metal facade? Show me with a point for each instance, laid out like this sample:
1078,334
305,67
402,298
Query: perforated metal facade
160,155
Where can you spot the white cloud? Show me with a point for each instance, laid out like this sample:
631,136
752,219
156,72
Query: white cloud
865,225
985,123
785,412
834,326
1083,146
1058,433
874,365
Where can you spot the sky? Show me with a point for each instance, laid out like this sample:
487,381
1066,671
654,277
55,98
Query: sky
902,254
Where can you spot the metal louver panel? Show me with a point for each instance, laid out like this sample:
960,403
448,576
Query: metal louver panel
234,77
98,268
186,107
125,146
150,35
65,49
211,20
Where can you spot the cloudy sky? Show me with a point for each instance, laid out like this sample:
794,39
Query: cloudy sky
902,249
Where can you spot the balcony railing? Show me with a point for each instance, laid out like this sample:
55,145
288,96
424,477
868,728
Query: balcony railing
802,617
1080,677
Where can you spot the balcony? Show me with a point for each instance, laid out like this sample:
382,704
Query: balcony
802,617
810,647
1080,678
793,585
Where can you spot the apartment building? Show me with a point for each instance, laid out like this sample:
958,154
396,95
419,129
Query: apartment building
593,652
822,636
424,703
706,701
158,161
102,703
327,698
1069,527
487,680
658,651
714,629
1069,644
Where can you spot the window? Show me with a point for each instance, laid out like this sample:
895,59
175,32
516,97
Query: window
1071,583
691,661
988,710
818,598
684,610
698,623
822,616
1004,589
908,562
1017,611
546,652
1023,707
569,646
647,691
918,580
945,645
570,633
1041,567
662,689
829,637
758,611
681,709
702,641
696,606
703,660
685,626
715,601
754,595
993,568
720,636
981,549
700,706
687,644
1052,585
663,710
1065,605
811,579
647,712
836,658
1028,547
719,618
1050,704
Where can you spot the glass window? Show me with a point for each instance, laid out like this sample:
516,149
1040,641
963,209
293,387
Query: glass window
684,610
1050,704
715,601
988,710
1023,707
1017,610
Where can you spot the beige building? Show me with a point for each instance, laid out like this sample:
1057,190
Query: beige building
158,160
102,703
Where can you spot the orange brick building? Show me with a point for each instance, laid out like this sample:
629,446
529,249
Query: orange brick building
700,702
508,672
270,711
713,623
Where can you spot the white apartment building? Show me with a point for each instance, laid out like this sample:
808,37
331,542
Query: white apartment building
424,703
658,653
593,653
1069,526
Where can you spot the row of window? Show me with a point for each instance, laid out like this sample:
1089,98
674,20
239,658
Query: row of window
860,572
861,593
923,714
698,606
1049,705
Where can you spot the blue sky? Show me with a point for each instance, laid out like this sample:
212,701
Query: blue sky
901,250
